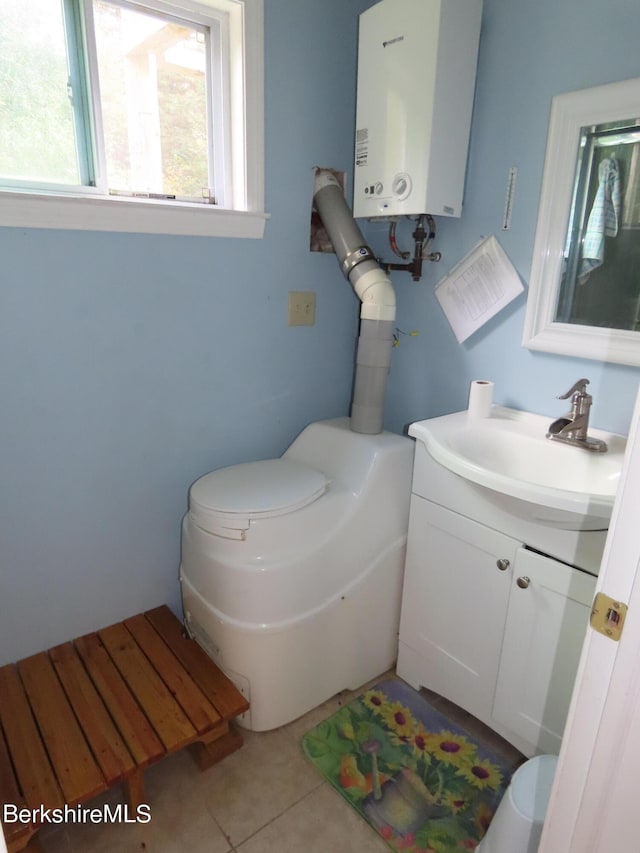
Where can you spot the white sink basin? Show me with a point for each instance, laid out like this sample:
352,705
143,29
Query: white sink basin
508,453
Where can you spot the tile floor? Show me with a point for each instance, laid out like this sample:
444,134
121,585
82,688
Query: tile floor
265,798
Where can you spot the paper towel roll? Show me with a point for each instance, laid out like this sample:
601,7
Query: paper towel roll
480,398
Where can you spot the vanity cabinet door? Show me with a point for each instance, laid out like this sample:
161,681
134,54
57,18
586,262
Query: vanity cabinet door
548,614
456,589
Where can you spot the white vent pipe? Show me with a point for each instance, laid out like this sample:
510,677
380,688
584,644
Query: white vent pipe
378,311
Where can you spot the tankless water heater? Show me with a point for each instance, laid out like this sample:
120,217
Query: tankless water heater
416,79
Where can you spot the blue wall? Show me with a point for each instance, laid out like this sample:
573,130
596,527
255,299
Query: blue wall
130,365
528,53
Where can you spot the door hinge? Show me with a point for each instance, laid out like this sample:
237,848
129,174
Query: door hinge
607,616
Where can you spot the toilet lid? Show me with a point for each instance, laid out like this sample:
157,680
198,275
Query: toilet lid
254,490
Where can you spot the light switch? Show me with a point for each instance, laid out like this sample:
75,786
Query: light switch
302,308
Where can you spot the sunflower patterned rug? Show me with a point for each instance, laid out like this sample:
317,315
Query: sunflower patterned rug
421,781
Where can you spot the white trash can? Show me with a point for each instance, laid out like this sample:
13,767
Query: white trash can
517,824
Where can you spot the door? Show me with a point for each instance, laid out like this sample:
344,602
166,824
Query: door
548,615
593,804
456,589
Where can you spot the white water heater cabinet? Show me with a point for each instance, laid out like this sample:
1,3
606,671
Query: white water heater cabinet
416,79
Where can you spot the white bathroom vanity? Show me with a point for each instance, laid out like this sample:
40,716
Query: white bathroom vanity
506,534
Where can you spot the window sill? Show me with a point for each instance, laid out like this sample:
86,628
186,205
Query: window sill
142,216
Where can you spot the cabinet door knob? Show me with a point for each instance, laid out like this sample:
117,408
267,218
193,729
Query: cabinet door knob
523,582
502,564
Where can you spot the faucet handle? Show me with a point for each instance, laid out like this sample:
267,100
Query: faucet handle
579,387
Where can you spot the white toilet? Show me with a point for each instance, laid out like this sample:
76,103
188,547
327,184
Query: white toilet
292,568
517,824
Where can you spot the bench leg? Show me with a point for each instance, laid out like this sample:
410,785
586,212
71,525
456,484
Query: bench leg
215,746
134,788
28,843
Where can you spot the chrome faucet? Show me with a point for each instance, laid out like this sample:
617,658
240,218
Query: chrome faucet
573,427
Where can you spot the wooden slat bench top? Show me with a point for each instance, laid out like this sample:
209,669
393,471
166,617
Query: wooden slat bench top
90,713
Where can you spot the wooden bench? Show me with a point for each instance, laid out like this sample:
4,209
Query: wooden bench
83,716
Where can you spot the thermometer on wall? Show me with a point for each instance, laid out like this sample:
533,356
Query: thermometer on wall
508,205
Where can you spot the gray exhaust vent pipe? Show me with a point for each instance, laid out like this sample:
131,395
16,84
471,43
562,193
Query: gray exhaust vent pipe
378,310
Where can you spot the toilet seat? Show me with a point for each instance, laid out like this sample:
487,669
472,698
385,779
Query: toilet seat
225,501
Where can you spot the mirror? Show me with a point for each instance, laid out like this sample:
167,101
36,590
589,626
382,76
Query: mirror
584,292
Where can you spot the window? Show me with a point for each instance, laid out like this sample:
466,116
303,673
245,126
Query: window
134,116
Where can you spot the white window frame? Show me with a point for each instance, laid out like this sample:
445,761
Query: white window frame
32,209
